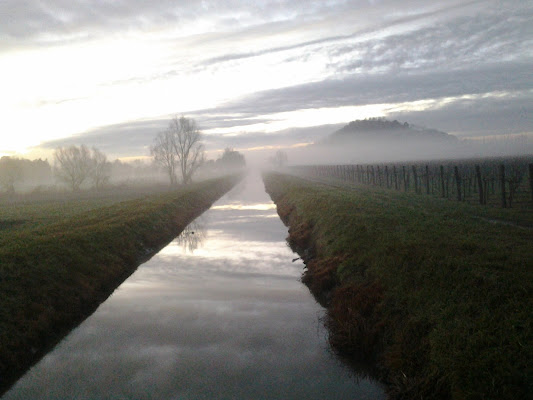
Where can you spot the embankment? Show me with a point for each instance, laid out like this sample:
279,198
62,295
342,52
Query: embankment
54,276
439,300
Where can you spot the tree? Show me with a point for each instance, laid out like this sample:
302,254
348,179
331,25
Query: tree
101,169
180,147
163,153
188,147
231,160
10,173
280,159
73,165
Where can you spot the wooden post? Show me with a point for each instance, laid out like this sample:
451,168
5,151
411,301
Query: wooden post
387,176
427,179
480,185
502,183
415,177
396,178
531,180
458,182
443,189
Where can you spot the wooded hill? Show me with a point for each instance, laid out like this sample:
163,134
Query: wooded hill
380,129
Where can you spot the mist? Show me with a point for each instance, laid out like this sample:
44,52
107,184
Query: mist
371,146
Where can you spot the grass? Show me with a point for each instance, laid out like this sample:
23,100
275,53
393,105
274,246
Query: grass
439,298
63,259
31,210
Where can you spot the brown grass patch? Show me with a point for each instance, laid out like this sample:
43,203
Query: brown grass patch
354,319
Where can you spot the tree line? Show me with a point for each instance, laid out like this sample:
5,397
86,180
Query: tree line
178,151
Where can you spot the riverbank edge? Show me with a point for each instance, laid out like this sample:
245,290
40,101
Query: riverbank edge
53,278
365,322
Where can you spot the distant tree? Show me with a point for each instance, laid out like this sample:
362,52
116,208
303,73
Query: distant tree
163,153
101,169
73,165
231,160
39,171
188,146
180,146
280,159
10,172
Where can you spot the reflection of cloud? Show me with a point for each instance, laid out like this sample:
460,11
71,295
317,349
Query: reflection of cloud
260,207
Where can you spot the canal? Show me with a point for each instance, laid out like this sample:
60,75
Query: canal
219,313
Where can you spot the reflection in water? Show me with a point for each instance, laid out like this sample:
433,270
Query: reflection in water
193,235
219,317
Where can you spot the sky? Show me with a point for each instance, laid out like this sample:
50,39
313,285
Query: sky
257,75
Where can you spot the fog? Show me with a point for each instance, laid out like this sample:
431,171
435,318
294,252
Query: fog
383,146
369,141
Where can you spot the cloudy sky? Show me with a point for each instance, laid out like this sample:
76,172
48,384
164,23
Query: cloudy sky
257,74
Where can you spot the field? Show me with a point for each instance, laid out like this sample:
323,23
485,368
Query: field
60,259
437,294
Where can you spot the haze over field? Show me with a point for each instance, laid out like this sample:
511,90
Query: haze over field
258,76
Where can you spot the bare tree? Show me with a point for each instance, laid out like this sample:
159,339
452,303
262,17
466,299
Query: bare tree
180,147
163,153
188,147
73,165
101,169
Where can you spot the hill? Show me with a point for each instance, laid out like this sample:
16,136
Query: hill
381,129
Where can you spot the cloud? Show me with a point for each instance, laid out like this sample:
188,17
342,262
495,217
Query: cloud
252,61
387,88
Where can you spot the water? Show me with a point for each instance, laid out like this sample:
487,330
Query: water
219,313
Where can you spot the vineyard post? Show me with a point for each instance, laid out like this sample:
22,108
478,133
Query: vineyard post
447,183
458,182
396,178
387,176
443,191
415,177
531,179
427,179
502,183
480,185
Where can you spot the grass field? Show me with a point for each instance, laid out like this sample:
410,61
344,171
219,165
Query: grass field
60,259
437,294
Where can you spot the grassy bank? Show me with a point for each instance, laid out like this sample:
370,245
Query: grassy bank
439,299
55,272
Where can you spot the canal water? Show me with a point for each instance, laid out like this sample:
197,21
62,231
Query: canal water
219,313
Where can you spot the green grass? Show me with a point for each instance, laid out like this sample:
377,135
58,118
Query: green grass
64,259
23,211
439,298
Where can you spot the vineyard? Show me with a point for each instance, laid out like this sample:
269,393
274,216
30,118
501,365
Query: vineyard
502,182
